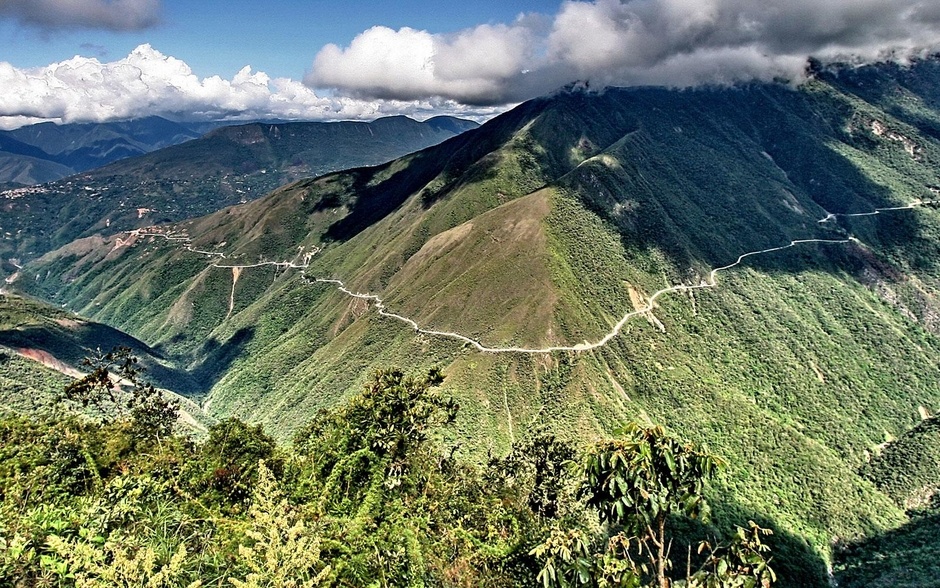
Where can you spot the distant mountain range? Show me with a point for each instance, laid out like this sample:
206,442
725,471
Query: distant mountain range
226,166
45,152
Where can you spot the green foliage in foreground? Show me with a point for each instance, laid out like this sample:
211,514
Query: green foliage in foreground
116,389
635,484
368,496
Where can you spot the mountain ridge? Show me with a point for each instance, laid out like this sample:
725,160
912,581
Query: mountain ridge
66,149
543,226
43,348
227,166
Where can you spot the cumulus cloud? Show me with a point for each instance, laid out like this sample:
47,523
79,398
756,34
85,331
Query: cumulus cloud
625,42
472,72
148,82
471,66
119,15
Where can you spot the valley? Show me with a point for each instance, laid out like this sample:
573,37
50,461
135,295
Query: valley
226,166
551,293
702,258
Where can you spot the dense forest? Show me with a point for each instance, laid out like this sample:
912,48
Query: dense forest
368,494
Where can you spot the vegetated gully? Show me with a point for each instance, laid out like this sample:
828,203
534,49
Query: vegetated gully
710,282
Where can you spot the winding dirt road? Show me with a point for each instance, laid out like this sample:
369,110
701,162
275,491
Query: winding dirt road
711,282
379,304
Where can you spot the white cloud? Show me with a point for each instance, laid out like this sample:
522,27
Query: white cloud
472,66
414,72
408,64
147,82
625,42
388,62
120,15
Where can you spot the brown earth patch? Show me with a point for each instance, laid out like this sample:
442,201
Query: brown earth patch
48,360
640,304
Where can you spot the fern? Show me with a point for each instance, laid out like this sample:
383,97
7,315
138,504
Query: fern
283,551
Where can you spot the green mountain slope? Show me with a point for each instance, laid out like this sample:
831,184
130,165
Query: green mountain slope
591,223
59,340
908,469
17,170
42,349
901,558
47,151
227,166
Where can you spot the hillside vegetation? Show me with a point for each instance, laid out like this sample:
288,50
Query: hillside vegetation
368,495
226,166
908,470
544,228
42,349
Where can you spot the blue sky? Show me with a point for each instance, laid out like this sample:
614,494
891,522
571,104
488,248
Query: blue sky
279,37
329,60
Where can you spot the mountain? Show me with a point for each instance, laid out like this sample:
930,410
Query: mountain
84,146
19,170
754,266
42,349
227,166
22,164
280,153
66,149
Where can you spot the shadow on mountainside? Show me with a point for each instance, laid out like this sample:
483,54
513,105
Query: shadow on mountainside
374,201
712,174
218,357
72,343
906,556
793,559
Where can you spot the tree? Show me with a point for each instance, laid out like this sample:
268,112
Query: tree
738,564
542,461
637,482
389,421
225,468
115,387
373,477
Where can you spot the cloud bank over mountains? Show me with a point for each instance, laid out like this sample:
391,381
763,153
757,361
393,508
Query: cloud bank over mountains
147,82
625,42
474,72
